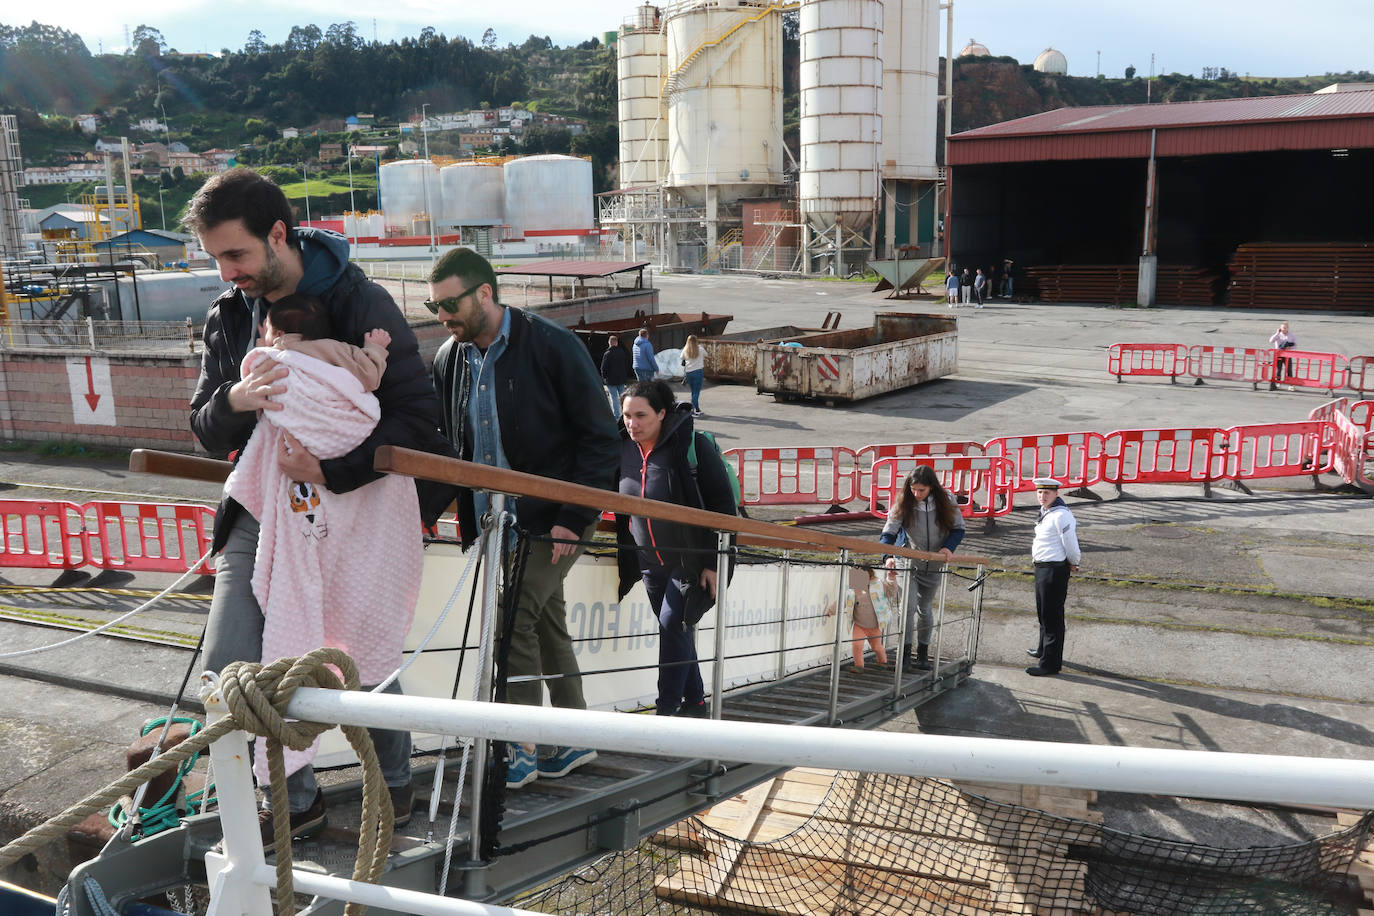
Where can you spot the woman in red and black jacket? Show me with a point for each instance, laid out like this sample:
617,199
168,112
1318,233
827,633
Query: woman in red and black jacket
677,563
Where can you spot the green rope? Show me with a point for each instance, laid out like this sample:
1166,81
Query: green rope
164,813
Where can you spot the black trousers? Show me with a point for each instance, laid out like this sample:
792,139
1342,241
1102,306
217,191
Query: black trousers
1051,589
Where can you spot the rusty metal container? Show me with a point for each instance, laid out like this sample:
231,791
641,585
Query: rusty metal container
667,331
732,357
900,350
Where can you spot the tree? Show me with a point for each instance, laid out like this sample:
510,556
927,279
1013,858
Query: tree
148,42
256,44
305,38
1130,72
489,39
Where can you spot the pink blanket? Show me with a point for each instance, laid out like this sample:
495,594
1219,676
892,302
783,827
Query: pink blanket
332,569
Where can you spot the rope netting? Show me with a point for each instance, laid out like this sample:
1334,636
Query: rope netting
878,844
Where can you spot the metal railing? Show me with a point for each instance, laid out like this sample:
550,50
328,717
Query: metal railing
87,335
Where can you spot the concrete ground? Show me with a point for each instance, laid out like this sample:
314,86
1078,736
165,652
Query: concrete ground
1238,623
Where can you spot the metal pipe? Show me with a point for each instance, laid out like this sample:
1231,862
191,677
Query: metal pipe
833,710
903,635
1345,783
782,616
491,575
722,586
939,623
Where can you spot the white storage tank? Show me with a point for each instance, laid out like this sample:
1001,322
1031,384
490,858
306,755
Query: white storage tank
724,97
409,188
911,68
376,225
841,105
474,194
548,193
640,68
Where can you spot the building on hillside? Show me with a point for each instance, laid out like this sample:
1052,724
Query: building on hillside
155,151
188,162
148,125
88,123
290,133
79,224
109,145
476,139
219,159
331,151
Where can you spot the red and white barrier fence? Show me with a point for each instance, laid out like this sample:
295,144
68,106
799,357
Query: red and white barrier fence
143,537
1261,450
1298,368
1147,359
865,457
1135,456
795,476
1074,459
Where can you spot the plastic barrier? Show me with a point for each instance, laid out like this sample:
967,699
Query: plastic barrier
1074,459
1361,413
982,484
1307,369
865,457
1147,359
1361,373
794,476
1274,450
1351,452
41,534
1134,456
149,537
1240,364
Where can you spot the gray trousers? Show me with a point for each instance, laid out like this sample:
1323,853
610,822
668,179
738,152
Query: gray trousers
920,601
540,643
233,633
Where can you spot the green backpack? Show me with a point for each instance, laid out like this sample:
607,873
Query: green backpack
729,469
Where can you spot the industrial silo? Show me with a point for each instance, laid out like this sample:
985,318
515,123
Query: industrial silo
724,96
409,188
841,115
640,68
474,194
548,193
911,68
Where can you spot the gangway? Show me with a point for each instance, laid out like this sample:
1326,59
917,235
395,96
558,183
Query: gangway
552,826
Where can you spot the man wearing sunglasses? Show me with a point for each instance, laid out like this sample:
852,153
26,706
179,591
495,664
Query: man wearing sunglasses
245,222
518,391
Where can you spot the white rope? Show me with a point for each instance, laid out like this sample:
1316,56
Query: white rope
424,643
118,620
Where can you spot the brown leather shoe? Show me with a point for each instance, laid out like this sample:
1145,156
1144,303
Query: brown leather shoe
306,823
402,802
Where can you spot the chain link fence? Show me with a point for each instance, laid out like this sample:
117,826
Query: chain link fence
160,338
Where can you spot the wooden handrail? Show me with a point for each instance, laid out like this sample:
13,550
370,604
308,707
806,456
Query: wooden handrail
171,464
391,459
410,463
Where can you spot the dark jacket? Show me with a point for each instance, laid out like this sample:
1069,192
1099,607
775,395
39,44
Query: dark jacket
552,413
615,366
666,475
410,410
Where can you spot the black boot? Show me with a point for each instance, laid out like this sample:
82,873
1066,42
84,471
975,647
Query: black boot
922,662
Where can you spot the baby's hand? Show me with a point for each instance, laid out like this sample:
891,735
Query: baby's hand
378,336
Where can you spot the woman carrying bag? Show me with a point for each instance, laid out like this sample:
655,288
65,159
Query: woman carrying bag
677,563
924,517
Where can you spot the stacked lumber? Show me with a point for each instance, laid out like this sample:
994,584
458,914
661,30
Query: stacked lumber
813,842
1174,284
1294,277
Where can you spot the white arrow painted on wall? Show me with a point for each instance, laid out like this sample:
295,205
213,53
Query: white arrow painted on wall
88,377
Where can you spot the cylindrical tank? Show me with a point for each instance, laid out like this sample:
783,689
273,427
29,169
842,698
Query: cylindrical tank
409,188
376,225
911,68
643,131
474,194
724,96
841,110
351,228
548,192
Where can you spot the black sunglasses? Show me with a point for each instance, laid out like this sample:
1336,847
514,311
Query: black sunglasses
450,304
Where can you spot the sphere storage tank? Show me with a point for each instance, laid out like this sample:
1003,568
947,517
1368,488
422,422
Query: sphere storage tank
640,69
1052,61
975,49
911,68
474,194
841,110
724,97
409,188
548,192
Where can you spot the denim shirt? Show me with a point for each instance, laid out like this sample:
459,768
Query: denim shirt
483,423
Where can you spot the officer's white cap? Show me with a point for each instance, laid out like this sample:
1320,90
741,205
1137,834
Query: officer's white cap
1047,483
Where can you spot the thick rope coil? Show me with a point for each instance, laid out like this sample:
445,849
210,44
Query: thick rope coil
256,695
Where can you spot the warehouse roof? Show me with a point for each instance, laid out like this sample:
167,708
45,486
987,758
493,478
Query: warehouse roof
1320,121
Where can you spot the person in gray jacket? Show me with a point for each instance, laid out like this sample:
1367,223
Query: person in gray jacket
924,517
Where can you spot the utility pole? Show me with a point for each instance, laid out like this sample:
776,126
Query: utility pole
305,179
429,209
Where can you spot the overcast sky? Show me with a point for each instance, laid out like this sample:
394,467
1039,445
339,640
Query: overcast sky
1257,37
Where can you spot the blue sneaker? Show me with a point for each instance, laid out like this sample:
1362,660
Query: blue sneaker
564,760
521,767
